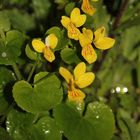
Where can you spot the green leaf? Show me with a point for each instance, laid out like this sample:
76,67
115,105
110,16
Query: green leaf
21,20
96,21
22,126
6,77
55,30
4,135
69,7
4,21
11,50
46,93
138,73
130,42
19,2
62,40
134,21
126,125
30,53
41,8
69,56
96,124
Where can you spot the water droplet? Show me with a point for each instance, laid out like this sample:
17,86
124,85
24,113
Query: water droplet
125,89
47,131
136,14
110,22
97,117
118,89
3,82
4,54
112,90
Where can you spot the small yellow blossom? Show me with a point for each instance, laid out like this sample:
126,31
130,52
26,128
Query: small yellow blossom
87,7
46,48
71,24
80,79
100,42
85,40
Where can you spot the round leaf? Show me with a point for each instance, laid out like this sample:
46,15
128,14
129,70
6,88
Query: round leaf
30,53
22,126
45,94
96,124
69,56
11,50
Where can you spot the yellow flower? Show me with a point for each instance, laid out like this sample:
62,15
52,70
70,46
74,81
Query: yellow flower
71,24
102,42
85,40
87,7
80,79
46,48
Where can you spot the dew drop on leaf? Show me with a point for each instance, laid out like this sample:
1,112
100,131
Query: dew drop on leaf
4,54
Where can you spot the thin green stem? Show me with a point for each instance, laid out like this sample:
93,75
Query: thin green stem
32,71
17,72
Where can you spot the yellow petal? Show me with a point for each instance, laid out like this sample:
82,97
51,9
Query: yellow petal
65,74
79,70
88,34
38,45
73,32
65,21
76,95
48,54
87,8
99,33
51,41
104,43
76,18
86,37
85,80
89,54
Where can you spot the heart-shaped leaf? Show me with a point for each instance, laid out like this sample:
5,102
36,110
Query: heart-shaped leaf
96,124
22,126
45,94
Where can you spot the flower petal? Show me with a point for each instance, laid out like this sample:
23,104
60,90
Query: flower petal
99,33
48,54
86,37
65,21
89,54
51,41
79,70
104,43
65,74
76,18
73,32
76,95
85,80
87,8
38,45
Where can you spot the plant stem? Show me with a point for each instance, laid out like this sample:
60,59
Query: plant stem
120,14
17,72
32,71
